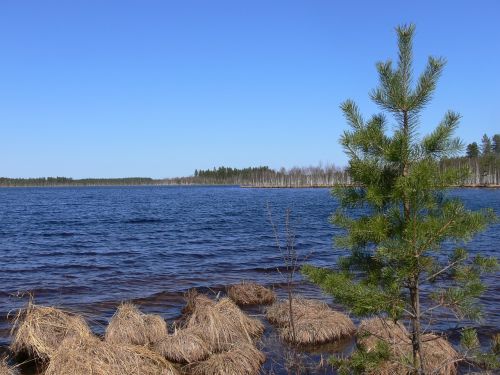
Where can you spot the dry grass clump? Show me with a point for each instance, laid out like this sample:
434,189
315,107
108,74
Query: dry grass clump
77,356
376,329
251,326
245,294
439,356
279,313
222,323
184,346
327,327
130,326
195,299
39,330
240,359
5,369
314,321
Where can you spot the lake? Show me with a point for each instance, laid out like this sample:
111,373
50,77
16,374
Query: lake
89,248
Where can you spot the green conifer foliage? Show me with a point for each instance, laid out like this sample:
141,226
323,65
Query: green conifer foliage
472,150
397,216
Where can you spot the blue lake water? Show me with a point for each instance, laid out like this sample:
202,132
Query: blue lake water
89,248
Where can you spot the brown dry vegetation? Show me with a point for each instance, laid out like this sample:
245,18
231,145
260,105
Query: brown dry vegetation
195,299
240,359
39,330
314,322
83,356
5,369
246,294
439,356
184,346
372,330
217,339
279,313
131,326
222,323
329,326
228,333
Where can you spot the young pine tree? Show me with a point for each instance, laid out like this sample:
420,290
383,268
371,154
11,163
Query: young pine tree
396,215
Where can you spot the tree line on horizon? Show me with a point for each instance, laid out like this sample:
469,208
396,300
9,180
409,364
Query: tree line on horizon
481,160
68,181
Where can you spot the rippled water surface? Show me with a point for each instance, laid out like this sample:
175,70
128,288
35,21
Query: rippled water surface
89,248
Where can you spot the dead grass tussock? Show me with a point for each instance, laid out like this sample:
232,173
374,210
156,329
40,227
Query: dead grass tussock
195,299
130,326
240,359
251,326
78,356
5,369
279,313
184,346
223,323
372,330
438,354
245,294
39,330
314,321
326,327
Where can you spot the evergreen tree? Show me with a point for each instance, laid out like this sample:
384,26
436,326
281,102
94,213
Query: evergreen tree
496,144
485,145
396,215
472,150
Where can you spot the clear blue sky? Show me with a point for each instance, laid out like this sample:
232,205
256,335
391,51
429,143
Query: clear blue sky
158,88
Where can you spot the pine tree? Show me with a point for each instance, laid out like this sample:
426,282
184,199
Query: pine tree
485,145
496,144
397,216
472,150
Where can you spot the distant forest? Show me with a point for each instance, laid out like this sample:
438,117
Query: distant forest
66,181
483,161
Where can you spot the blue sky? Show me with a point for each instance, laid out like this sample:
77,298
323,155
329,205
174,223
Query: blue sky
102,88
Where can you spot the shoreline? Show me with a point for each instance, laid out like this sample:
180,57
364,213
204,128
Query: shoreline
475,186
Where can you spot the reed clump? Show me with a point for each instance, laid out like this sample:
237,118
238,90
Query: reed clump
130,326
39,330
314,322
224,339
83,356
439,356
222,322
247,294
5,369
240,359
373,330
250,326
184,346
279,313
195,300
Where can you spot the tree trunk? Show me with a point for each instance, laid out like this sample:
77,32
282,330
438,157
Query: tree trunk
418,368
